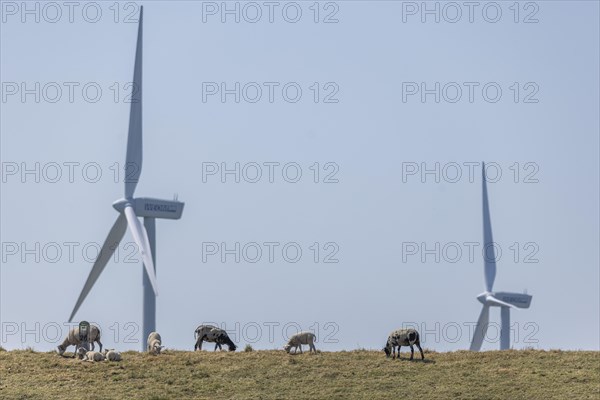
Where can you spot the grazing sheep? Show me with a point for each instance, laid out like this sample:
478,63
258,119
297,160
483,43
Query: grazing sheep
112,355
73,339
154,343
299,339
212,334
93,356
403,337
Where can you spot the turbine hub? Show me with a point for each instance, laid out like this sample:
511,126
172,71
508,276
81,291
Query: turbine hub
483,296
120,204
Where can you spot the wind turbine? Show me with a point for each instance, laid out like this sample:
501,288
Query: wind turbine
131,208
504,300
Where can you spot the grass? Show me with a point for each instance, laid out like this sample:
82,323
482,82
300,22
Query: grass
523,374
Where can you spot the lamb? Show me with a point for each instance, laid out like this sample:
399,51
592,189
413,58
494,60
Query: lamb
299,339
93,356
73,339
403,337
112,355
154,343
85,347
212,334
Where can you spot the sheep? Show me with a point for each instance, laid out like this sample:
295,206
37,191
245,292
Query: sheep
112,355
212,334
93,356
403,337
73,339
299,339
154,343
85,347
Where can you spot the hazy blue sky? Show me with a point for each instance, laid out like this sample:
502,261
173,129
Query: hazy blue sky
542,133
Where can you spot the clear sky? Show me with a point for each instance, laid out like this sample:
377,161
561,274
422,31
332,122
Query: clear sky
401,238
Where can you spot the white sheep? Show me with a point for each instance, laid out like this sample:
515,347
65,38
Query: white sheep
154,343
212,334
299,339
73,339
93,356
403,337
112,355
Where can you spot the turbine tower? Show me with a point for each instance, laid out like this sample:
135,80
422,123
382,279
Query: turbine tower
131,208
504,300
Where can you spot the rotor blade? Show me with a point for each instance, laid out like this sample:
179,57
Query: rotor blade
141,238
480,329
133,160
489,252
494,301
108,248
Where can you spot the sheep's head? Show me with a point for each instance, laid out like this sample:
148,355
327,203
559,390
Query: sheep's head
156,348
81,353
60,349
232,346
287,348
387,350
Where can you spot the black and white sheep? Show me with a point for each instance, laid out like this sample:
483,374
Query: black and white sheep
403,337
212,334
154,343
73,339
299,339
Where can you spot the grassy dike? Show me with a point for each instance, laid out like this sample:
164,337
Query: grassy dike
514,374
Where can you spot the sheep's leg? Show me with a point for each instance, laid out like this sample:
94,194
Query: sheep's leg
75,351
99,344
93,346
312,347
217,345
198,344
412,352
399,347
421,350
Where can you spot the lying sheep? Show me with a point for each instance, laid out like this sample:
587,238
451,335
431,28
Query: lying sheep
154,343
73,339
403,337
85,347
93,356
299,339
212,334
112,355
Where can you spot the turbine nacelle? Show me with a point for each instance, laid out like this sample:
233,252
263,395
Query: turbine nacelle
490,299
150,207
519,300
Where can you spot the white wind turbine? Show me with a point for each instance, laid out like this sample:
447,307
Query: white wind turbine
504,300
131,208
